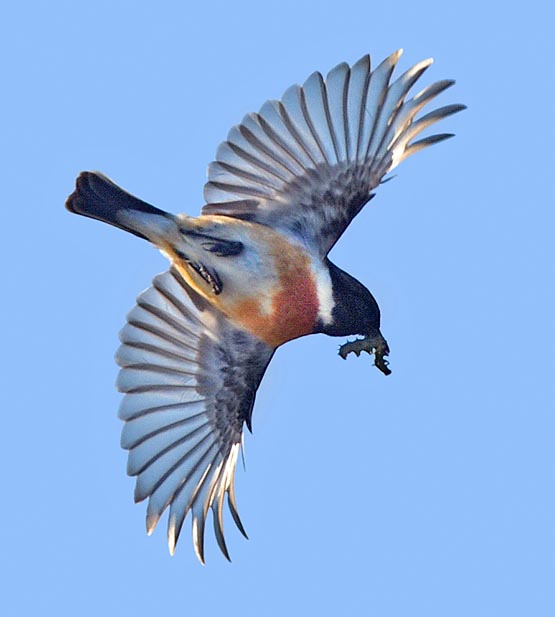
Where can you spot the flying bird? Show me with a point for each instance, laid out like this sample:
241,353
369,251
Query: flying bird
251,273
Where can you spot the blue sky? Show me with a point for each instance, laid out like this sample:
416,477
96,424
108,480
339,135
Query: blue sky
426,493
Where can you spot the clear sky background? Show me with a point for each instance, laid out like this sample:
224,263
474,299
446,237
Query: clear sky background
429,493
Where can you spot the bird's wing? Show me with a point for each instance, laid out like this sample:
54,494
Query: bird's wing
308,163
189,378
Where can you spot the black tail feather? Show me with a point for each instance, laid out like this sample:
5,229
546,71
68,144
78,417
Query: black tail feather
97,197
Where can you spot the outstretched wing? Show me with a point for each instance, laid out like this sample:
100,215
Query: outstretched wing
307,164
190,379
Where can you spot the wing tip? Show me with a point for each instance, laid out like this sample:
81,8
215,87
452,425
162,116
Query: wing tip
363,60
171,548
151,522
198,536
138,494
232,504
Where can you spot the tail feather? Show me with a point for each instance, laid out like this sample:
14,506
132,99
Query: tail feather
97,197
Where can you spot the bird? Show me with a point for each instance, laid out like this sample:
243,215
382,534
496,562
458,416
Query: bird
251,273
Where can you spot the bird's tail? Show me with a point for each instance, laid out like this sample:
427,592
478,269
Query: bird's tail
97,197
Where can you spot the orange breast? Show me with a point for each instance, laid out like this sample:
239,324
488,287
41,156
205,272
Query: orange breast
294,300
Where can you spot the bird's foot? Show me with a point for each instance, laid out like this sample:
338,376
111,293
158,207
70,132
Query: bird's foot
376,345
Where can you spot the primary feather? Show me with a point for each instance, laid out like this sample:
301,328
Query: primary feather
189,378
308,163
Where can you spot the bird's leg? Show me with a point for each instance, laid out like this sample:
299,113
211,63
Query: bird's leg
376,345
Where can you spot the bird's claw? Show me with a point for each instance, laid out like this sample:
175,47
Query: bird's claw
376,345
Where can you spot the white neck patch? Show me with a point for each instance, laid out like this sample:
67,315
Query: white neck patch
324,290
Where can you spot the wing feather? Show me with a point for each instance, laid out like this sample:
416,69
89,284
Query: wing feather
314,111
308,163
189,378
356,104
274,125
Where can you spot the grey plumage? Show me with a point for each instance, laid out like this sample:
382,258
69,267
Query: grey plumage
307,164
189,378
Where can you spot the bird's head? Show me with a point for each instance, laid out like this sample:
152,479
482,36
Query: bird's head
355,310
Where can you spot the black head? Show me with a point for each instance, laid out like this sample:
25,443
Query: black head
355,310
